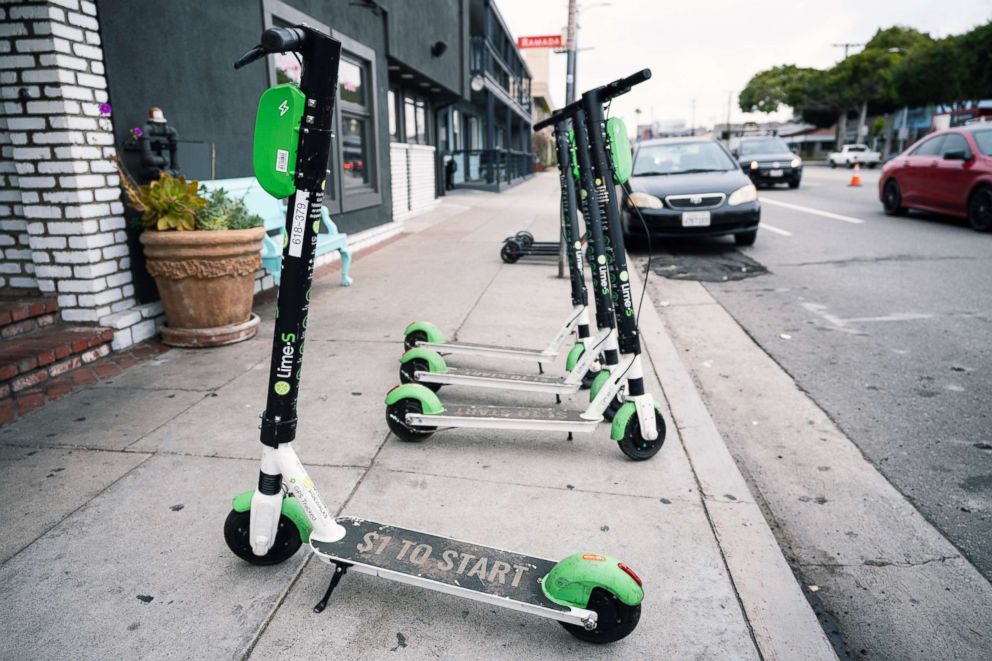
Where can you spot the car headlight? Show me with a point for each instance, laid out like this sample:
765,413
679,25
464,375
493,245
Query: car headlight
743,195
645,201
754,165
796,162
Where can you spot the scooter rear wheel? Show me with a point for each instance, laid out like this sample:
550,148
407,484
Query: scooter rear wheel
409,369
615,619
237,531
636,446
396,419
412,338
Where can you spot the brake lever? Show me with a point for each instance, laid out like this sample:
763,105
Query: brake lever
249,57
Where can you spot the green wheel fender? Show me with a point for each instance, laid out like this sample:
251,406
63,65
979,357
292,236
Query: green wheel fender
598,383
429,403
627,410
291,509
574,355
572,580
435,362
432,332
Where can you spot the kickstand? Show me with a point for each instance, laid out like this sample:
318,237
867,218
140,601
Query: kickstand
540,368
569,435
557,399
339,571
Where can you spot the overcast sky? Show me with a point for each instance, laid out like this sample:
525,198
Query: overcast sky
703,49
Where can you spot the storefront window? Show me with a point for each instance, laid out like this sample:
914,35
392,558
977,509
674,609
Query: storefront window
351,82
456,130
354,151
394,129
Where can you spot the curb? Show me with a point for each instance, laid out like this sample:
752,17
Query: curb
781,620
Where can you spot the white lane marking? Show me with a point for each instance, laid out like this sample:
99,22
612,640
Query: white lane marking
815,212
772,228
844,324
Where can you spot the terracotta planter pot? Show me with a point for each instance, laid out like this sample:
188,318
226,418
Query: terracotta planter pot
206,281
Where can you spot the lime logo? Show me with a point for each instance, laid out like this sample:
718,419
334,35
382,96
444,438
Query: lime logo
601,259
283,107
308,296
316,227
281,387
599,182
285,240
578,245
623,276
583,194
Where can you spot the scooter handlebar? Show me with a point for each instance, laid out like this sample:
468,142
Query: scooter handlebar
623,85
274,40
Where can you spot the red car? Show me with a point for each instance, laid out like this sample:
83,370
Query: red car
947,172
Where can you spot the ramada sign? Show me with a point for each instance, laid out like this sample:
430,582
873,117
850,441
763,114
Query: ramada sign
544,41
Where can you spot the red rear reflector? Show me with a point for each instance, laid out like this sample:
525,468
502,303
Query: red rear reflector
593,556
392,389
630,572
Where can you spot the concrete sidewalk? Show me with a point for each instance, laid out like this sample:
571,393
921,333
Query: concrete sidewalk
114,497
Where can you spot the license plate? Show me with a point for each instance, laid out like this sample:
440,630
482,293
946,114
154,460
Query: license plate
696,219
775,173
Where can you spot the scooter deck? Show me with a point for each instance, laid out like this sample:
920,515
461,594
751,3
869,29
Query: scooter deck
483,378
491,350
506,417
482,573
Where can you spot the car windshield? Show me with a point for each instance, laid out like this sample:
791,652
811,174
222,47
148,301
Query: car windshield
681,158
984,140
764,146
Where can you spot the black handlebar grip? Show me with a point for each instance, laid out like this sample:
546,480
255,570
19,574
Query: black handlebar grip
282,40
634,79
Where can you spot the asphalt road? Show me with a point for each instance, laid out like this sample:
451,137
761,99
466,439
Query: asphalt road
884,322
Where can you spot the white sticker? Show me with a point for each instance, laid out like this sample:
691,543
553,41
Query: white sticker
282,160
298,228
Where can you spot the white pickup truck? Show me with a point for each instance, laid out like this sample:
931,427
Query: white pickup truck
848,154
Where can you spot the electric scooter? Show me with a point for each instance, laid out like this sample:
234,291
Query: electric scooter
522,244
422,364
595,597
414,412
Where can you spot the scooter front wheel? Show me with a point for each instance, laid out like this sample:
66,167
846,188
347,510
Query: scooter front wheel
413,338
635,446
510,252
396,419
615,619
237,535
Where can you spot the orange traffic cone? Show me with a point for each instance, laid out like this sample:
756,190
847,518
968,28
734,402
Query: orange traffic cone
856,177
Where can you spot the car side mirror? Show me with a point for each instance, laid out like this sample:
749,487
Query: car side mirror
957,155
735,153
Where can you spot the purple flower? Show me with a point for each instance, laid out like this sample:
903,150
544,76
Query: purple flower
105,109
136,132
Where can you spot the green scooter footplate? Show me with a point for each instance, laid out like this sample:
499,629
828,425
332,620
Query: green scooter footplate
441,561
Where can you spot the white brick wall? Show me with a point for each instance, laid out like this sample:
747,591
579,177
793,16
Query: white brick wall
61,214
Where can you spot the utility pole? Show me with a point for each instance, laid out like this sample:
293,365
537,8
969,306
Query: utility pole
693,127
730,96
571,47
847,46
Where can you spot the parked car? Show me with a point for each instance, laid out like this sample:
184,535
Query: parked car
947,172
851,154
690,187
767,160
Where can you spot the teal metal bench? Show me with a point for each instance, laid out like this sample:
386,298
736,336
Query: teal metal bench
273,213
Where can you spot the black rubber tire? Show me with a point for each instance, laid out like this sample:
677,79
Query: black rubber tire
871,166
615,619
587,380
833,165
634,446
892,199
408,369
236,532
510,252
412,338
746,238
980,209
396,419
794,183
524,238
